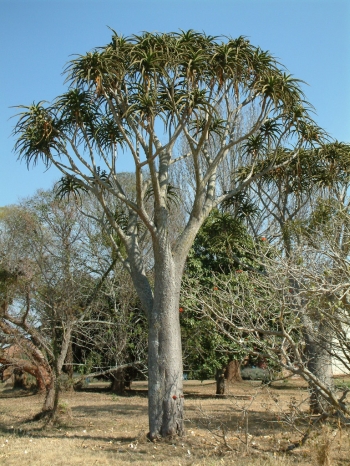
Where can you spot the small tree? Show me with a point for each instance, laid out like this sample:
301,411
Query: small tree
290,198
143,93
220,246
111,340
46,286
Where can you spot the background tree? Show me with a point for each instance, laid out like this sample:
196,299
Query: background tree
257,311
18,354
111,341
221,246
50,286
288,196
144,93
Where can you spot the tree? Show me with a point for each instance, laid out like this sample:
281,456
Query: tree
143,94
220,246
258,312
112,340
46,286
290,196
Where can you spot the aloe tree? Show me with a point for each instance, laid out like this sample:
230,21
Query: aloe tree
138,97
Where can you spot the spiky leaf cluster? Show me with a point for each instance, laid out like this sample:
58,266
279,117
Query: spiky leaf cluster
174,76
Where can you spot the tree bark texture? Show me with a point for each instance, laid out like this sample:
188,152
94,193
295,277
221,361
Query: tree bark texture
227,375
165,369
220,382
118,385
319,363
68,363
317,354
53,389
50,396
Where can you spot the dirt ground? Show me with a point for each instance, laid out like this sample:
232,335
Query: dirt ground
252,425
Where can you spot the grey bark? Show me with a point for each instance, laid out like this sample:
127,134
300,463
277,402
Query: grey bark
53,389
50,397
318,359
319,362
317,353
161,305
164,348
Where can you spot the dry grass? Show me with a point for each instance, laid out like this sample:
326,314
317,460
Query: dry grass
98,428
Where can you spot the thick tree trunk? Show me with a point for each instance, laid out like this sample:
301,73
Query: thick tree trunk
317,353
220,382
319,363
227,375
50,397
118,385
165,369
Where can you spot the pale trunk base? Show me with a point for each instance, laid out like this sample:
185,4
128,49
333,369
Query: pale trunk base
319,363
165,361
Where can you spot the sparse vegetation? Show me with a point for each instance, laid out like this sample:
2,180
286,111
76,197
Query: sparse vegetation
95,427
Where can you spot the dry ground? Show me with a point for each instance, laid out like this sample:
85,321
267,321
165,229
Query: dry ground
98,428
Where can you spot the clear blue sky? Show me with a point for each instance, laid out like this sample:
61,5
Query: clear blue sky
310,37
